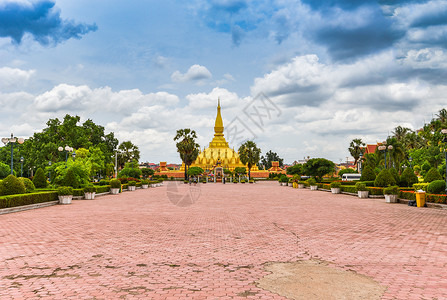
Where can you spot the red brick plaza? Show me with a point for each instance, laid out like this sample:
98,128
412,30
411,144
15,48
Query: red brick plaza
157,244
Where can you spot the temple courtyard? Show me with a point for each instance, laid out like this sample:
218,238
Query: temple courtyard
232,241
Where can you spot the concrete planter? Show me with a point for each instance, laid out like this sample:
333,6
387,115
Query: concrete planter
144,186
314,187
114,191
154,185
89,196
300,186
363,194
131,188
391,198
66,199
335,190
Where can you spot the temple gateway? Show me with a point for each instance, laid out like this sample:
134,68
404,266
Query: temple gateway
218,156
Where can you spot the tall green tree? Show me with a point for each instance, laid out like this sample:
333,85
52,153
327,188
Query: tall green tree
43,146
355,149
187,147
318,167
128,152
266,161
249,154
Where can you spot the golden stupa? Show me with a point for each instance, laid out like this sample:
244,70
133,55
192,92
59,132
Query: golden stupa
218,155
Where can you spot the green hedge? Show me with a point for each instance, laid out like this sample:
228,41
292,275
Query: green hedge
325,186
375,191
102,189
26,199
349,189
435,198
409,195
78,192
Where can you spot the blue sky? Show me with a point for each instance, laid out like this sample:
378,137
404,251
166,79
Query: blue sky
302,78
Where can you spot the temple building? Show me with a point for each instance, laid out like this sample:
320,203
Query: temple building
218,156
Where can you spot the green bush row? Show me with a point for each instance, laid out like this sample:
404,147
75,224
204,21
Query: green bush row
26,199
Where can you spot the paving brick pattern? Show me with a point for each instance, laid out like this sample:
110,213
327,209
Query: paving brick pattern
214,245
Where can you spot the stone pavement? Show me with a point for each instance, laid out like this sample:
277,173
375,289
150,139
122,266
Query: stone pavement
212,242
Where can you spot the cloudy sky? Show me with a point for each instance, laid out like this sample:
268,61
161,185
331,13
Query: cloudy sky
301,78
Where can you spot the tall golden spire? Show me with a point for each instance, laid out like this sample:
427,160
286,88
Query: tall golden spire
218,125
218,140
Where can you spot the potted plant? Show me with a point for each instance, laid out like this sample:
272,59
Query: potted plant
242,180
185,181
362,190
391,194
295,180
335,187
65,194
313,184
132,185
203,180
251,181
89,192
115,186
301,184
144,184
235,180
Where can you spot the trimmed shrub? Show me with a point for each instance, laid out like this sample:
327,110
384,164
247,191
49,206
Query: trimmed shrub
70,179
311,181
29,185
90,189
104,182
64,190
360,186
432,175
391,190
11,185
420,186
425,167
39,179
144,181
368,183
395,175
132,183
408,178
115,184
368,174
384,179
5,170
436,187
335,184
26,199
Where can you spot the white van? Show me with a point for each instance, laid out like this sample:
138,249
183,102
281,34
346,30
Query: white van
350,176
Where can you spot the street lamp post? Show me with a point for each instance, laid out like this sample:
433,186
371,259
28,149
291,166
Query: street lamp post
444,132
385,149
410,160
21,166
49,172
12,140
361,162
66,149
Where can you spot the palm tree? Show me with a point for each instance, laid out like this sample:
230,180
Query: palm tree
400,132
187,147
356,148
249,154
442,116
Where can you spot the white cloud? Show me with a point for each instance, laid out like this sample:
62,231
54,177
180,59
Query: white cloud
194,73
13,77
66,97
